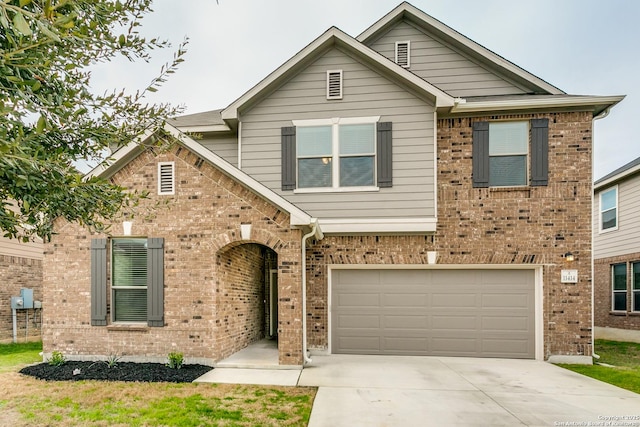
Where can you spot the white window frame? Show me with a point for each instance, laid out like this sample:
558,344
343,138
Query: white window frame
527,154
329,73
115,288
335,153
634,289
619,291
173,178
600,211
408,43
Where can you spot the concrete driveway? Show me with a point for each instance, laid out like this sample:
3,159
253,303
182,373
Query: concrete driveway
449,391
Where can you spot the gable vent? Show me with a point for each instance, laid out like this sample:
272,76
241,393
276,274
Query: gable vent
402,54
334,84
166,178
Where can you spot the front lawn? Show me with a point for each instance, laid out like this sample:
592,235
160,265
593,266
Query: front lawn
26,401
625,360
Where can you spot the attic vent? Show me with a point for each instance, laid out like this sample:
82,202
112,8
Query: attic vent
402,54
166,178
334,84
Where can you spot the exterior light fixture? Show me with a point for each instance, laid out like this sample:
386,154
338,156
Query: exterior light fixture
569,257
126,227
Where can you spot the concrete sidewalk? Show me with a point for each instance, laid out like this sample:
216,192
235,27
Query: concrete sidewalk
443,391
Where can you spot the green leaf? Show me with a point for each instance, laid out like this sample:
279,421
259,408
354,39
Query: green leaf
23,3
21,24
122,40
41,125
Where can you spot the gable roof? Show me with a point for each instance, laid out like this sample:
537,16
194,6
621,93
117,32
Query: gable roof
430,25
622,172
125,154
334,37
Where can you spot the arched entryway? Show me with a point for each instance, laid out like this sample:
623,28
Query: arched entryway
246,296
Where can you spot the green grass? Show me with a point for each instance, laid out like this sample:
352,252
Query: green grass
625,358
12,355
27,401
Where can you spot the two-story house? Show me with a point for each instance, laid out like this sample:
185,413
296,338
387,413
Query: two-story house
616,253
403,192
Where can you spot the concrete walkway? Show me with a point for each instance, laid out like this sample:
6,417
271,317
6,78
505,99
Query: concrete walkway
436,391
447,391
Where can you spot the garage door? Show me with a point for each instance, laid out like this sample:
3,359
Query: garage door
478,313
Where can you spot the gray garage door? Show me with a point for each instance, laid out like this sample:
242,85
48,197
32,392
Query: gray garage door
478,313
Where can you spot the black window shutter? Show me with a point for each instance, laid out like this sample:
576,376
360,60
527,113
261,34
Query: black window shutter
539,152
385,154
288,158
155,282
480,169
98,282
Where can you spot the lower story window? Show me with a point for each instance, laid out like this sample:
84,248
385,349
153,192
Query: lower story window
636,287
129,280
619,287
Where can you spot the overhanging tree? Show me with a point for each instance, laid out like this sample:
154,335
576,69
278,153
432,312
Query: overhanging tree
50,118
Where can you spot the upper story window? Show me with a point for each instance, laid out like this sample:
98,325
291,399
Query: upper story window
511,153
609,209
508,153
337,154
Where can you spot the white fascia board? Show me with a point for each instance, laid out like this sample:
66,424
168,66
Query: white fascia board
120,155
528,103
378,225
298,217
447,31
617,177
204,128
334,34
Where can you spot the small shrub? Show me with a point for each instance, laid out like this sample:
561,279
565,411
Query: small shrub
112,361
175,360
57,359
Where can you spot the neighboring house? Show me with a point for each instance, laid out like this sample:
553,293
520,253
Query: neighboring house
405,192
20,267
616,249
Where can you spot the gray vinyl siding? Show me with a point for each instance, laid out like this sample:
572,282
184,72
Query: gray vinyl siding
366,93
225,146
442,66
626,239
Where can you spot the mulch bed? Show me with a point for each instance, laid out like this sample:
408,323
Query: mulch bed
123,371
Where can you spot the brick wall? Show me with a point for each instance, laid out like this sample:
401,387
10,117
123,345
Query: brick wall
241,296
17,273
199,223
532,225
602,285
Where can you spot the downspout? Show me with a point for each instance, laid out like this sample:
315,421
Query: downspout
315,231
602,115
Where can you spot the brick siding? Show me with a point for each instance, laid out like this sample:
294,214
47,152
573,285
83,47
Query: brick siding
17,273
498,226
604,316
201,228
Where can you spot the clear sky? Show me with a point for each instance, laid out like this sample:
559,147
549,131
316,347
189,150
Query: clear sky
584,47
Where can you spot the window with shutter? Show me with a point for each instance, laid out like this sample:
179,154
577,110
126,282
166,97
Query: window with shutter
403,58
334,84
505,152
166,178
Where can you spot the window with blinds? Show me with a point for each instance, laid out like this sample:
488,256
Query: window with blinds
129,279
